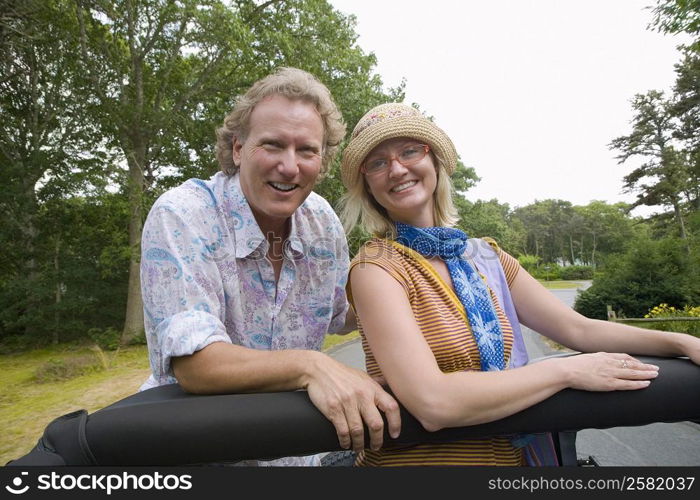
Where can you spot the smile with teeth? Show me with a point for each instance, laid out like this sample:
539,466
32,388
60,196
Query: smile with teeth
281,186
403,186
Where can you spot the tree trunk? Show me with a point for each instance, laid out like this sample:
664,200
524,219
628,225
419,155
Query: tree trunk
59,291
29,235
681,224
133,321
571,248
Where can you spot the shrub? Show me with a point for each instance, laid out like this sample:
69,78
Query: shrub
139,339
547,272
55,370
666,311
18,343
529,262
107,338
673,325
650,272
577,273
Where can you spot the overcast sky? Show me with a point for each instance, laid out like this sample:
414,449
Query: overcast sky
530,91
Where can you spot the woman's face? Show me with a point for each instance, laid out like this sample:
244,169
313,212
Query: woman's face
406,192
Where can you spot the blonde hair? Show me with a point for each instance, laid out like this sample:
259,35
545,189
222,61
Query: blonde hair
294,84
358,206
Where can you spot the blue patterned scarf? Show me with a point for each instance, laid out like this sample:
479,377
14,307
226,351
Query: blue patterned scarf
450,244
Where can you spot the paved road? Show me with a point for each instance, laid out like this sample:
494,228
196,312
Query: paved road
660,444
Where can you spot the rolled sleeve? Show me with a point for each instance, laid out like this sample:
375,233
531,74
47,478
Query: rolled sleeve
183,334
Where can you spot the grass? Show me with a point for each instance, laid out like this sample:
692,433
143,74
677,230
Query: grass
28,405
40,385
560,285
334,340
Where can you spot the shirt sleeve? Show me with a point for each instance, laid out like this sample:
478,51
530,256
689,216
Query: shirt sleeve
511,266
181,286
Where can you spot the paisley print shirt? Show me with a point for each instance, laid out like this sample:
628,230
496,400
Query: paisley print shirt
205,276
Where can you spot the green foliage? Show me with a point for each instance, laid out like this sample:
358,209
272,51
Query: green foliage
551,272
81,272
107,104
650,272
48,150
492,219
107,338
548,272
672,325
529,262
675,323
558,232
665,177
686,108
465,178
356,239
576,273
665,135
11,344
679,16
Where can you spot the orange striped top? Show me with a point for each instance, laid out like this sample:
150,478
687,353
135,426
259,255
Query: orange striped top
442,319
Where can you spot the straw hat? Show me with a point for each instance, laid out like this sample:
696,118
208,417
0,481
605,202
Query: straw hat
388,121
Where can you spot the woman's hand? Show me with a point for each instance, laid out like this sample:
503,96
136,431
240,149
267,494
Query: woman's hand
605,371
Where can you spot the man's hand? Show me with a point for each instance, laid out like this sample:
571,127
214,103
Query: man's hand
350,399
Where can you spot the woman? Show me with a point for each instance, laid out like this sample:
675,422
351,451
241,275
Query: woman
439,313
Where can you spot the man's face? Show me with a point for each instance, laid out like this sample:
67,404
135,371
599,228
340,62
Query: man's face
280,158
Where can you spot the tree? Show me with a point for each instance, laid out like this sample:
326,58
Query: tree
47,148
547,226
679,16
664,177
490,218
686,108
605,229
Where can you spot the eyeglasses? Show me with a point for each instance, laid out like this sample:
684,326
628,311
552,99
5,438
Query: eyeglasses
409,155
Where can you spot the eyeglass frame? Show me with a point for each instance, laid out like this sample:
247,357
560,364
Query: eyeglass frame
363,168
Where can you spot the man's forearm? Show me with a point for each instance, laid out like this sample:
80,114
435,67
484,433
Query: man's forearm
225,368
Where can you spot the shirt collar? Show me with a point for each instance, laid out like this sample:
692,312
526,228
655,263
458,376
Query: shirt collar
249,238
294,243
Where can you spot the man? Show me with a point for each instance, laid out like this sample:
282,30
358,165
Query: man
243,274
